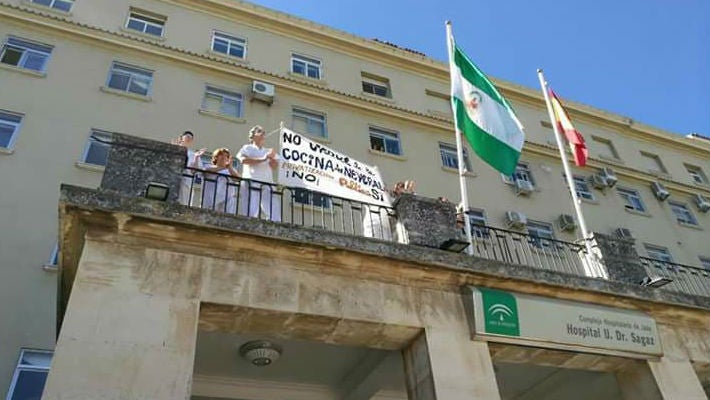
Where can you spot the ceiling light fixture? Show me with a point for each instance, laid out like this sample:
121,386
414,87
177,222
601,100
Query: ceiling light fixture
260,352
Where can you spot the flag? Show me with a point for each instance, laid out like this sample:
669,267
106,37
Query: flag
564,125
483,115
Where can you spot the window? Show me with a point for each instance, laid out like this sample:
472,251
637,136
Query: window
384,141
309,122
439,103
705,262
229,45
653,163
477,219
25,54
222,102
97,147
658,253
9,127
541,233
62,5
450,158
581,186
632,199
697,174
522,172
606,148
146,23
305,66
309,198
127,78
30,375
375,85
682,213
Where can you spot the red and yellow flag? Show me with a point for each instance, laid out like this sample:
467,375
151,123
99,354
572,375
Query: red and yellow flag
574,138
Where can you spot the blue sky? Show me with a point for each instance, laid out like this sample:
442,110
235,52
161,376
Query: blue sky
645,59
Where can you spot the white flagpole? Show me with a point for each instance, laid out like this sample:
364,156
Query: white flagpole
592,268
459,146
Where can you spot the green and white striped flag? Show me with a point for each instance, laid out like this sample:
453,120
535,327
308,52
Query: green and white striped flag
483,115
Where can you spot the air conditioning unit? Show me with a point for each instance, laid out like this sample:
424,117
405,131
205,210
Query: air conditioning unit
624,233
515,219
263,91
659,191
702,202
598,181
523,187
609,175
567,222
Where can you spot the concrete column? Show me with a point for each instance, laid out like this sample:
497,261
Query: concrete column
426,222
443,365
637,382
130,329
676,379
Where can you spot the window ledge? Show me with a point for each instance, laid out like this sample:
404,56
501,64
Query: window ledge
50,268
226,57
130,95
637,212
25,71
5,150
377,97
660,174
456,171
611,159
47,9
225,117
588,201
90,167
306,79
691,226
143,35
388,155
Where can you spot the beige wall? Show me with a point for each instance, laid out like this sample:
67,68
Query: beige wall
61,108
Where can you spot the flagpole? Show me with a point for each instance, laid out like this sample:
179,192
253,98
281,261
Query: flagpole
459,148
590,267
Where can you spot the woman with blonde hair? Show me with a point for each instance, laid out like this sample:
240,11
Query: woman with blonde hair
219,192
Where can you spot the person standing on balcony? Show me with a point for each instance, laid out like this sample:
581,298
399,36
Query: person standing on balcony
193,161
220,192
257,193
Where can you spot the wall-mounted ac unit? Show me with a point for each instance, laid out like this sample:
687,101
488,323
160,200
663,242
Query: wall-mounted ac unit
609,175
523,187
566,222
624,233
263,91
659,191
515,219
598,182
702,202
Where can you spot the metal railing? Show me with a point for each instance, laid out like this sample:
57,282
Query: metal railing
686,279
289,205
525,249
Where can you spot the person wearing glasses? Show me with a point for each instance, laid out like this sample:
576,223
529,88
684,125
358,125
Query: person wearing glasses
257,193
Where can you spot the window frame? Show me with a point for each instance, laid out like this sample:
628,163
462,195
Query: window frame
309,116
27,47
375,82
682,213
522,172
696,174
307,62
478,222
652,249
659,167
148,19
385,135
587,194
52,4
19,368
126,70
449,148
230,39
608,145
17,126
626,194
90,141
537,240
216,91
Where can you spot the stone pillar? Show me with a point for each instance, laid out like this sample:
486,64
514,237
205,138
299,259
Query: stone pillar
620,258
135,162
676,379
441,364
426,222
130,329
637,382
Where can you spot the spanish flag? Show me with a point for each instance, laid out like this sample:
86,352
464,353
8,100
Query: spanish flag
564,125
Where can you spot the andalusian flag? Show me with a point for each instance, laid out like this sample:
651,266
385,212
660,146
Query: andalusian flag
483,115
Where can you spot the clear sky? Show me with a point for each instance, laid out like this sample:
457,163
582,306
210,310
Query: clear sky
645,59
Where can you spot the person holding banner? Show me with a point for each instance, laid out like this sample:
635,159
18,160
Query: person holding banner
256,194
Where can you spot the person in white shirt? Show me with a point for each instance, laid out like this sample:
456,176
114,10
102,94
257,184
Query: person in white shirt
220,191
193,161
258,164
